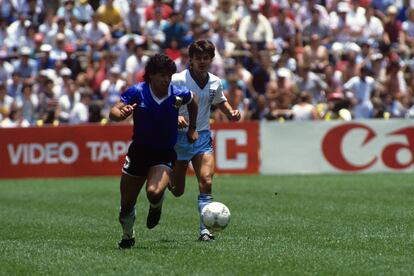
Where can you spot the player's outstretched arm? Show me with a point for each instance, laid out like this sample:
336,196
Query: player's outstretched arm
121,111
232,114
192,107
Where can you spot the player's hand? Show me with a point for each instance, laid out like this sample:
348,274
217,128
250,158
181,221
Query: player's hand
127,110
192,135
182,123
234,115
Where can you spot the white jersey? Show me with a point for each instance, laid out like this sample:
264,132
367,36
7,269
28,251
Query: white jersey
212,93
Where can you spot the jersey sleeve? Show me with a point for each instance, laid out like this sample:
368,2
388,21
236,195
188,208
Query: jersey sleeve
185,94
219,97
130,96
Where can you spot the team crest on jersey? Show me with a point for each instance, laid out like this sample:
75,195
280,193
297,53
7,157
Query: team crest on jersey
211,94
178,102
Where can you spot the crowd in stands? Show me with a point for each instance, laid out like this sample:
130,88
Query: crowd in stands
278,59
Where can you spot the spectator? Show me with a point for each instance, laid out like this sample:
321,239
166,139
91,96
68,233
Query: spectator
256,29
392,28
407,35
270,9
77,28
67,9
361,88
17,30
15,118
4,39
85,11
111,16
135,64
315,26
312,83
71,61
35,13
175,29
111,88
29,103
25,66
48,26
227,17
283,30
44,61
261,110
47,104
6,102
7,11
80,111
14,85
280,96
235,98
67,101
304,110
133,20
58,52
183,61
374,28
201,11
316,54
262,73
172,50
165,9
153,31
97,34
393,81
6,68
304,13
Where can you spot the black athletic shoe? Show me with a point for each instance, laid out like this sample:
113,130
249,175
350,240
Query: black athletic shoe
154,215
206,238
126,243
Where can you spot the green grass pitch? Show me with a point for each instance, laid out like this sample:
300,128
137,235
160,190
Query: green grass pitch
281,225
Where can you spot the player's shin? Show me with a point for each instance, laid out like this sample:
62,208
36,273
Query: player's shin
203,200
127,220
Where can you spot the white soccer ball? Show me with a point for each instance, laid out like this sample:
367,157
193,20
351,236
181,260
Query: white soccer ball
215,216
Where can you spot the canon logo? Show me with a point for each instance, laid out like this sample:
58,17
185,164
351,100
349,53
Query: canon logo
333,153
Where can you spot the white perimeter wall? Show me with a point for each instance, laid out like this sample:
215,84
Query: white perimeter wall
297,147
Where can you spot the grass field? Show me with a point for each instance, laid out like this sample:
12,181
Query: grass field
281,225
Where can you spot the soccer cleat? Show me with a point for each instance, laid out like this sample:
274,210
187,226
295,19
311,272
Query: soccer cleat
154,215
206,237
126,243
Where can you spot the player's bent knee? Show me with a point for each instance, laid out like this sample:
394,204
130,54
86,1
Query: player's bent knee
154,193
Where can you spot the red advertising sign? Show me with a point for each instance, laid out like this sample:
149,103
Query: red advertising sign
93,150
236,147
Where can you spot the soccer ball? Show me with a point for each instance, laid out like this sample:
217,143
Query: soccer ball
215,216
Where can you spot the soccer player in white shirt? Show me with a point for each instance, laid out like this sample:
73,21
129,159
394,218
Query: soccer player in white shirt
209,91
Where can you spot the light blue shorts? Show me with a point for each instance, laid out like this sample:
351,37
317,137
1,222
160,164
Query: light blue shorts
186,151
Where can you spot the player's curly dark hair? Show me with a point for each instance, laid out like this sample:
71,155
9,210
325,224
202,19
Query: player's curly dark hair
200,47
159,63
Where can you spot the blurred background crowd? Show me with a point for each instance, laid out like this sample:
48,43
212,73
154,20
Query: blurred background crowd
66,62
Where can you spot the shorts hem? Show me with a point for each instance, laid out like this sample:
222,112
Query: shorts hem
129,174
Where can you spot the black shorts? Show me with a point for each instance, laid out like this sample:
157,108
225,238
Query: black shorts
141,158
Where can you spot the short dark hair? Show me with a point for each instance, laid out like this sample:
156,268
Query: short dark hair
200,47
159,63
